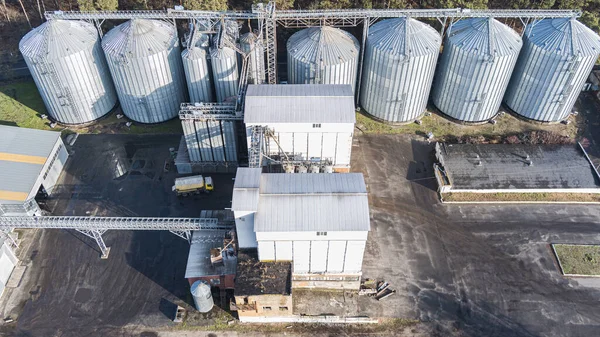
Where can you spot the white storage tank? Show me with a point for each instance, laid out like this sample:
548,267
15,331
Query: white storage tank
478,59
202,296
558,55
197,69
250,43
399,64
145,62
69,70
322,55
224,63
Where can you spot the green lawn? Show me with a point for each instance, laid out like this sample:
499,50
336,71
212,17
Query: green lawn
21,105
579,259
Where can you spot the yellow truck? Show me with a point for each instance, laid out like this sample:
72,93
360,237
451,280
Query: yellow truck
192,185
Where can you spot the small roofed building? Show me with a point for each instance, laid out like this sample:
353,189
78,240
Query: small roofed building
309,125
31,162
212,258
319,222
501,171
262,289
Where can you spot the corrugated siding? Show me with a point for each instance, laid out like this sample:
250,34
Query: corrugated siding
471,80
399,65
30,142
224,63
197,75
145,63
549,76
70,71
299,104
210,141
323,55
350,183
249,43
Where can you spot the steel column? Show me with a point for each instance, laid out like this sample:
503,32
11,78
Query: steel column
97,235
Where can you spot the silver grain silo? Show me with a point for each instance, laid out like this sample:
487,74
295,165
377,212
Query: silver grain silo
224,63
145,63
557,57
399,64
478,59
322,55
70,71
251,44
202,296
197,70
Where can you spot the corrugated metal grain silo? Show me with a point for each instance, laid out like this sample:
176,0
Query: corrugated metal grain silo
322,55
399,64
478,59
250,43
197,70
224,62
210,140
145,62
70,71
557,57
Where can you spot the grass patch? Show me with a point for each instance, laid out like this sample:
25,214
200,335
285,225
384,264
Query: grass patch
21,105
542,197
579,259
443,128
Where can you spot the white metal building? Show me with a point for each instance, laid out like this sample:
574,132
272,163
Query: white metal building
318,221
29,160
306,122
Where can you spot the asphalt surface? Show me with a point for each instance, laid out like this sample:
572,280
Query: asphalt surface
469,270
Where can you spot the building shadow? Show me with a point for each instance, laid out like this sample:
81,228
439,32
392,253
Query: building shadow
420,168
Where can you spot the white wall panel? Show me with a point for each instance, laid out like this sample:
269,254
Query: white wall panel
301,255
315,144
266,251
335,257
329,145
318,256
244,226
300,143
354,256
283,250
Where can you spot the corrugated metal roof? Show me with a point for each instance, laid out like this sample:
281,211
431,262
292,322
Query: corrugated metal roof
139,38
404,36
312,202
198,264
325,45
58,38
245,189
484,36
21,176
564,36
299,103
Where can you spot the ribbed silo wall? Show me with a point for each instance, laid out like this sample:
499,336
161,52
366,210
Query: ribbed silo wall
210,140
69,69
224,63
145,63
471,80
322,55
197,72
399,64
249,43
549,76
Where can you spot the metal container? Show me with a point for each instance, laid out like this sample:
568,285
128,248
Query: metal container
211,141
322,55
145,63
197,71
224,62
557,57
253,46
69,70
399,64
478,59
202,296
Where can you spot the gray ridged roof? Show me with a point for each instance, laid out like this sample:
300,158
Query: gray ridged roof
198,264
222,53
484,36
404,36
330,45
564,36
58,38
139,38
299,103
312,202
245,189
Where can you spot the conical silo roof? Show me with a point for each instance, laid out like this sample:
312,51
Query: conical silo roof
564,36
403,37
328,45
58,38
139,38
486,36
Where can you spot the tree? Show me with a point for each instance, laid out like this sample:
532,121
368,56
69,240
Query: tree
207,5
86,5
280,4
107,5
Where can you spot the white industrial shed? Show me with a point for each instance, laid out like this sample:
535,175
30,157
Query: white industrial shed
29,160
318,221
307,122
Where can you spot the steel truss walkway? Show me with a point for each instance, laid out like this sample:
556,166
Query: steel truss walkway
94,227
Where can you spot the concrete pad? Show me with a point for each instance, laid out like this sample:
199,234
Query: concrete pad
16,277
